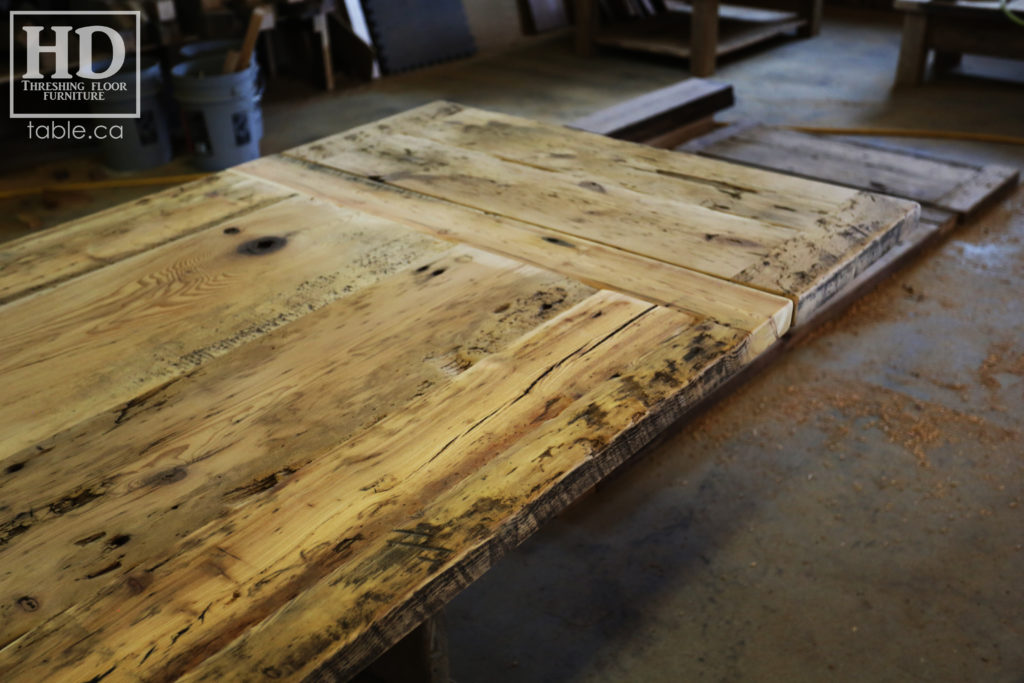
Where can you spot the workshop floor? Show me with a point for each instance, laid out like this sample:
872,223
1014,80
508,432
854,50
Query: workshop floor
852,513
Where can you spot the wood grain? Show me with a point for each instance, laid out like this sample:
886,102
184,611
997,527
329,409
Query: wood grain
765,316
715,218
65,251
942,184
659,111
113,335
292,425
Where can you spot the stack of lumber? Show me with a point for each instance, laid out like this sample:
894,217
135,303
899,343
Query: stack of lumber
263,424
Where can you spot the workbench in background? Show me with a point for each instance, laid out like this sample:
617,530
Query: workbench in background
952,28
700,31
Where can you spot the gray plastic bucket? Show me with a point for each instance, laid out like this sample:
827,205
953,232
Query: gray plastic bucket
146,141
207,48
220,48
221,111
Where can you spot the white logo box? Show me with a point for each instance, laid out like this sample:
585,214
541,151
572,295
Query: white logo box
52,13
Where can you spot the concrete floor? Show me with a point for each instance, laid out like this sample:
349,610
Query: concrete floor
854,511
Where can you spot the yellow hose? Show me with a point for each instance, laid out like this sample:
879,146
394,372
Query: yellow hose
912,133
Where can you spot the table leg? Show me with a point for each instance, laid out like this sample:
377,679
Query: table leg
320,26
944,61
586,27
913,49
810,10
703,37
420,657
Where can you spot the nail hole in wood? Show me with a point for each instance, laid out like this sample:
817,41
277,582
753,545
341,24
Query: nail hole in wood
231,231
262,245
11,469
119,540
437,272
28,603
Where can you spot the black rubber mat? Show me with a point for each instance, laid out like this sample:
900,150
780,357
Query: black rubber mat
413,33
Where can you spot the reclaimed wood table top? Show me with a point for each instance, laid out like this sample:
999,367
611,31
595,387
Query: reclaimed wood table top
262,425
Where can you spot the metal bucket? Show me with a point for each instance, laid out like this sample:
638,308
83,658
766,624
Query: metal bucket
146,141
221,111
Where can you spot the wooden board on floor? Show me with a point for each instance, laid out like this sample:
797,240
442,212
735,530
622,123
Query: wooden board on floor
941,184
660,111
267,439
670,34
783,235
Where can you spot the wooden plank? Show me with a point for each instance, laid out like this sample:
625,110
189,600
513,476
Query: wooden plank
943,184
392,520
113,335
659,111
181,456
979,190
726,188
664,224
81,246
765,316
516,497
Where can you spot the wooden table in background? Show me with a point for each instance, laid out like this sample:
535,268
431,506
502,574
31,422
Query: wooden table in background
698,30
260,426
953,28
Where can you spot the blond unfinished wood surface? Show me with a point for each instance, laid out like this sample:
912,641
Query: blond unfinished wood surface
765,316
291,423
783,235
42,259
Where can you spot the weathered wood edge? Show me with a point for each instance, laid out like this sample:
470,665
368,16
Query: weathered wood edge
845,275
989,184
981,191
426,601
930,231
639,124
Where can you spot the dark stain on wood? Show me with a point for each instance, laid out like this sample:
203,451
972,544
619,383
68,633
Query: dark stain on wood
28,603
259,486
592,414
106,570
167,476
263,245
15,527
89,539
77,500
560,242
